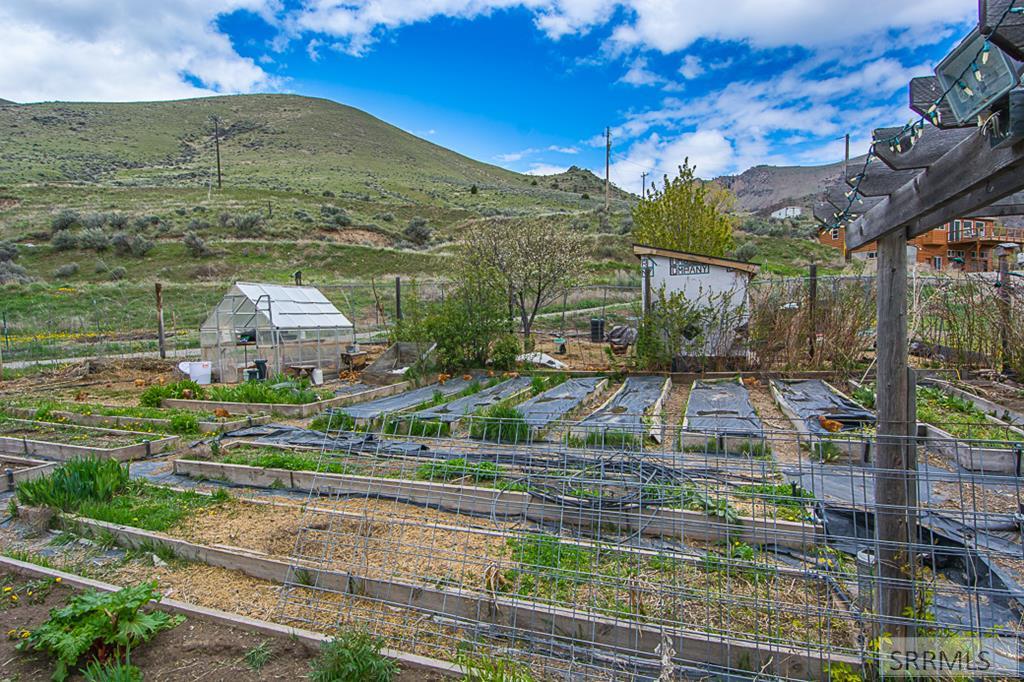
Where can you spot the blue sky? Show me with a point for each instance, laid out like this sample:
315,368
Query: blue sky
526,84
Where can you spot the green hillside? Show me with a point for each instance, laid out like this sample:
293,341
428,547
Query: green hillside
284,143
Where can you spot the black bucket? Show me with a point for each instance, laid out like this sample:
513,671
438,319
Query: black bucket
597,329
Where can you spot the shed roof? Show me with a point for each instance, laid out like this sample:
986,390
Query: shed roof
294,307
729,263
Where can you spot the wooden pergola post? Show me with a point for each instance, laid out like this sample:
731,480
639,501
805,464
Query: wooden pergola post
895,463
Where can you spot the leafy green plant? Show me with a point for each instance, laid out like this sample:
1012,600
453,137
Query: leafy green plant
353,657
186,388
424,428
102,625
117,671
546,562
459,468
184,423
504,351
790,500
77,482
501,424
739,560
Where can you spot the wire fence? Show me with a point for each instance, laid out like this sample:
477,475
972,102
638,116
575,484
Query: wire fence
964,321
663,552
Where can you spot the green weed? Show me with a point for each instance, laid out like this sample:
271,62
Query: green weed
259,655
500,424
353,657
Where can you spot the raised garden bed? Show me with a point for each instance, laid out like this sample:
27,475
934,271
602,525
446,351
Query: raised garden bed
1011,413
148,419
955,427
720,419
15,470
531,591
370,411
832,423
63,442
441,418
713,524
210,641
542,410
628,417
298,411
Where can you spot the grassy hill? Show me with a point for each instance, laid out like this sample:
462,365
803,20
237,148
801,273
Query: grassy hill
283,143
296,171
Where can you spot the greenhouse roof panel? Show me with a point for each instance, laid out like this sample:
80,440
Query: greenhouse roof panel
294,307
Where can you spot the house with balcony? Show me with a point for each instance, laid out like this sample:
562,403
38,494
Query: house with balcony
967,244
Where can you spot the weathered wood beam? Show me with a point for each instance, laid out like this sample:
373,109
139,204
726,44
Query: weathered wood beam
825,213
928,149
836,195
969,177
1010,36
878,180
924,91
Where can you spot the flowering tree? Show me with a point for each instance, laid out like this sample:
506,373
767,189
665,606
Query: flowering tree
532,261
686,214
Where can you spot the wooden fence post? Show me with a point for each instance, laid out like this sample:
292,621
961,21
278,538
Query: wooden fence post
895,468
398,298
161,343
812,299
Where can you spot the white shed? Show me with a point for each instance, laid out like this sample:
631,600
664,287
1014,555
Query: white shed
719,282
287,326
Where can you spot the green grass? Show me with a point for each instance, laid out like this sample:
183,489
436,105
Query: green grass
613,440
284,459
180,421
790,501
28,557
102,490
500,424
423,428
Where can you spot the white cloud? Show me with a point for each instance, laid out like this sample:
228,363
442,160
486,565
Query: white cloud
649,24
512,157
563,150
691,67
640,76
123,50
313,49
546,169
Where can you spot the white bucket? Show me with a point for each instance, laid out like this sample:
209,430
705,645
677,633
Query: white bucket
199,372
318,377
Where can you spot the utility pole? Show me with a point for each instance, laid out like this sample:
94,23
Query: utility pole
643,183
216,142
846,159
607,167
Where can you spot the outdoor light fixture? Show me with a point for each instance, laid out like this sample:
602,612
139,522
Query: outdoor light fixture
976,74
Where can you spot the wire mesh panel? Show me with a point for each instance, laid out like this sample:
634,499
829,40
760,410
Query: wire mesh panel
688,553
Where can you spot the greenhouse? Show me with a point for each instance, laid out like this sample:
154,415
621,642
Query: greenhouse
259,330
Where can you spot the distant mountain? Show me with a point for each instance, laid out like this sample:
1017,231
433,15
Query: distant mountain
763,189
6,102
582,181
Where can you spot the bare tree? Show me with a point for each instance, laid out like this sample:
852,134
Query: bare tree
532,260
